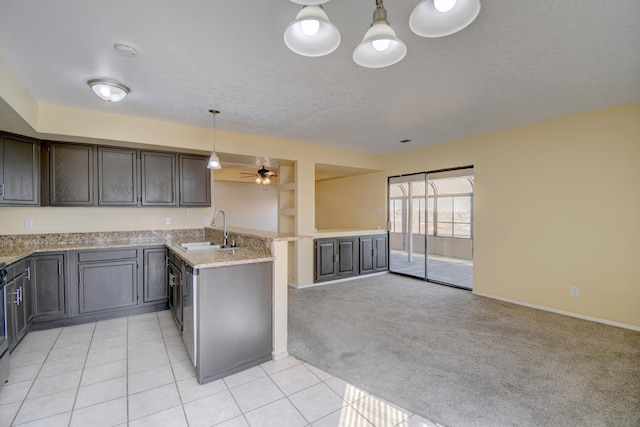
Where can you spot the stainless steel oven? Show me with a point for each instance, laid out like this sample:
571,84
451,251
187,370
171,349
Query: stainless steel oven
4,342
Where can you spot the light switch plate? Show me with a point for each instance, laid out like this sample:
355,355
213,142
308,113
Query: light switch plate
28,223
167,220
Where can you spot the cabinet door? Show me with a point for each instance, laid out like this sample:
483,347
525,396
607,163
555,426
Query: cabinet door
325,260
48,289
366,255
71,174
117,177
107,285
158,172
19,171
11,301
348,262
381,256
195,181
155,275
20,307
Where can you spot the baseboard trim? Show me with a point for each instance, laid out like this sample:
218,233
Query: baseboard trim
333,282
278,356
565,313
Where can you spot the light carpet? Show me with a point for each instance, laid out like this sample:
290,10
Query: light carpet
463,360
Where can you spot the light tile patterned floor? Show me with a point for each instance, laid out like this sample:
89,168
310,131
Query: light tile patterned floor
135,371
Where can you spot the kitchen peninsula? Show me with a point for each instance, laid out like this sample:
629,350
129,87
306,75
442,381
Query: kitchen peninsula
77,267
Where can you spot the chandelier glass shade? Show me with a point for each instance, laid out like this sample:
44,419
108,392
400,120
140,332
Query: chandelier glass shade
311,33
441,18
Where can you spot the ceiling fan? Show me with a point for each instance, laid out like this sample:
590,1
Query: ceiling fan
263,176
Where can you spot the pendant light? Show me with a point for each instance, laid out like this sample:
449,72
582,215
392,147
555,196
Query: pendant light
311,33
214,161
108,90
439,18
380,46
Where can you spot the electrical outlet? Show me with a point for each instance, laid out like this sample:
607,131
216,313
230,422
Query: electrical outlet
189,211
205,220
575,292
28,223
167,220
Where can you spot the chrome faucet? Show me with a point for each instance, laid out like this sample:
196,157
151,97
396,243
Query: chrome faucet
225,234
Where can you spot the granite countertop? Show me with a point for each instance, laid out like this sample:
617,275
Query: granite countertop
347,232
249,250
221,257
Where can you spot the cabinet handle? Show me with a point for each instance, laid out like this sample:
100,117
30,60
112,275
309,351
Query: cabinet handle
1,189
19,291
29,273
59,267
17,300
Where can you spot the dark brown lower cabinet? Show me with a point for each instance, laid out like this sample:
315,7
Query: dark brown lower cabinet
48,285
107,285
18,301
155,274
374,256
337,258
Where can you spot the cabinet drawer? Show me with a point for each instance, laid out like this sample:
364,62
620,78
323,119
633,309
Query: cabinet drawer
107,255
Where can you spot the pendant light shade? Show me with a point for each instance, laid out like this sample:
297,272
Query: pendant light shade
380,46
108,90
214,161
438,18
311,33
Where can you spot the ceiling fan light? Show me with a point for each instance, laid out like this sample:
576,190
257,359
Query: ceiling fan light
108,90
427,21
367,53
299,37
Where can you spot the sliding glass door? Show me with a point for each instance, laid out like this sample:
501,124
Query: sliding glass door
407,242
431,226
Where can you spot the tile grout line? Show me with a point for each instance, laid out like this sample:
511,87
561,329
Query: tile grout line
75,399
34,380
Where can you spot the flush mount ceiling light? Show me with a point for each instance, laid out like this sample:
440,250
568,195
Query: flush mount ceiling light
439,18
311,33
108,90
214,161
380,46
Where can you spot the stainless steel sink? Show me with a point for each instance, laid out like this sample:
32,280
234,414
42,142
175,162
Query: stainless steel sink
202,246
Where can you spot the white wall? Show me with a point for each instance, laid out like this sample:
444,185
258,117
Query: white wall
247,205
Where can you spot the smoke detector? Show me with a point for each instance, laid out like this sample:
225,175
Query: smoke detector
125,50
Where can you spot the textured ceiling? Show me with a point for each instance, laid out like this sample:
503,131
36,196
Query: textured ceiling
519,62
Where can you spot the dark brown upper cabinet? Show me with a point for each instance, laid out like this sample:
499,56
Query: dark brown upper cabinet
117,177
71,174
158,178
19,171
195,181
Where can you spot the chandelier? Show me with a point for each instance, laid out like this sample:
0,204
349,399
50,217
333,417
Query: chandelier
313,34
